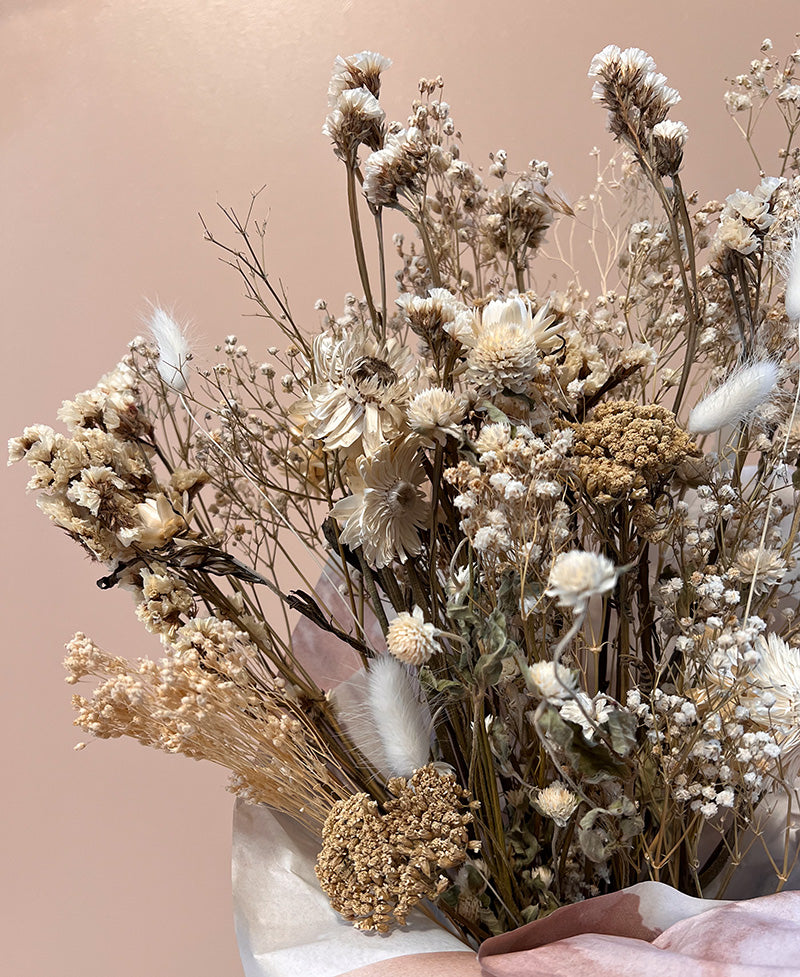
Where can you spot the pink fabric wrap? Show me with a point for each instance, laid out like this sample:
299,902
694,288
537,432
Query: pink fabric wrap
649,930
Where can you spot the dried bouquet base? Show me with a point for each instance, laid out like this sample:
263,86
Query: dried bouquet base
286,928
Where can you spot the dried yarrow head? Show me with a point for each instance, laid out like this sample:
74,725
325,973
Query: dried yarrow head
376,867
627,448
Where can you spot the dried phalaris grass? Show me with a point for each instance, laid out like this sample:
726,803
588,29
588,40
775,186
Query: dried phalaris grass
200,700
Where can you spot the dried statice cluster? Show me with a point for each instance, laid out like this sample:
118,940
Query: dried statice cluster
549,642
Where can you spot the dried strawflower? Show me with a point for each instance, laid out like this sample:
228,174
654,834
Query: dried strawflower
557,802
385,517
411,639
362,387
435,414
552,681
775,679
505,341
577,575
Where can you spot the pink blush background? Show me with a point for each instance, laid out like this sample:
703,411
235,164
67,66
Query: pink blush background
120,120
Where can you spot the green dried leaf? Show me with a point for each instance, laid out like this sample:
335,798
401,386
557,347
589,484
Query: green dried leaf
622,730
593,761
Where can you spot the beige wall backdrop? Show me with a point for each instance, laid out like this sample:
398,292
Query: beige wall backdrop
120,121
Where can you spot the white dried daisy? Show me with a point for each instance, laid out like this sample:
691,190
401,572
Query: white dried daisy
587,712
411,639
385,517
764,569
505,341
436,414
552,682
557,802
577,575
364,385
776,682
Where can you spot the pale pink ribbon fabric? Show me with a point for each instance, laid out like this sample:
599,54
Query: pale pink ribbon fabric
649,930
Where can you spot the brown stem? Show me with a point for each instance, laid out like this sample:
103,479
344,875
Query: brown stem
358,243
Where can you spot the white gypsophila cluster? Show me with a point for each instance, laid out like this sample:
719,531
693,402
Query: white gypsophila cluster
576,576
707,761
513,495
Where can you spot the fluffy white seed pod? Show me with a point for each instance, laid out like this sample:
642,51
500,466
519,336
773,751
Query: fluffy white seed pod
792,276
173,349
400,718
745,390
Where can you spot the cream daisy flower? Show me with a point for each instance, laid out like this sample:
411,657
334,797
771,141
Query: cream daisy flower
385,517
764,569
411,639
551,681
435,414
364,385
776,684
557,802
505,341
577,575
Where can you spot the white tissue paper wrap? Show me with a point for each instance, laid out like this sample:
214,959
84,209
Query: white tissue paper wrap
285,926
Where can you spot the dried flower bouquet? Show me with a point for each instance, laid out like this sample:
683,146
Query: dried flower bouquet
556,534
